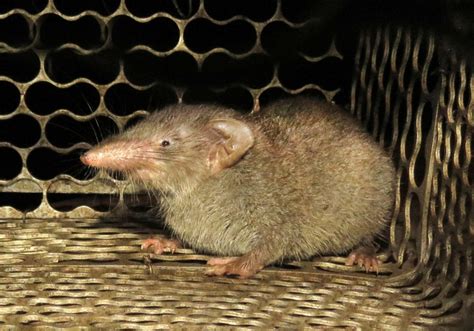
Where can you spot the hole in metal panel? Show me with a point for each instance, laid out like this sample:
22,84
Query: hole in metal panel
176,8
63,131
404,185
414,212
305,10
22,201
324,37
433,73
460,155
15,31
23,195
161,34
420,162
44,163
143,68
10,97
43,98
238,98
468,102
388,130
409,74
273,94
69,201
254,71
76,7
280,40
122,99
470,150
469,207
21,67
20,130
236,36
12,163
299,72
56,31
31,6
100,67
258,11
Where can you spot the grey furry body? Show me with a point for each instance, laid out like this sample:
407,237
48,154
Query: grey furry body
314,183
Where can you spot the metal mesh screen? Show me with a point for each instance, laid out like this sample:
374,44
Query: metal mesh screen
72,72
425,100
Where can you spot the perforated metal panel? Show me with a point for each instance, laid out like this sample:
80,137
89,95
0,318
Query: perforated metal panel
76,72
72,72
403,73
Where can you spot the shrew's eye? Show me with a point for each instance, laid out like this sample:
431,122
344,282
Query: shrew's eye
165,143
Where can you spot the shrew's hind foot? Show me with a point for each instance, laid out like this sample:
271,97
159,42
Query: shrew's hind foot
161,245
241,266
364,257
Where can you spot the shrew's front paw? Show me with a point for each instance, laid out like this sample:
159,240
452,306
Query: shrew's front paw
364,257
161,245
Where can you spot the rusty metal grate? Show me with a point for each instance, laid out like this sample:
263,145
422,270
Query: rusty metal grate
71,71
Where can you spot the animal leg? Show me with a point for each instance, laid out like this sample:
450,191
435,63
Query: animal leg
221,260
364,257
243,266
161,245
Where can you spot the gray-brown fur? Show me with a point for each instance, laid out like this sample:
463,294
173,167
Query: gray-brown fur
313,182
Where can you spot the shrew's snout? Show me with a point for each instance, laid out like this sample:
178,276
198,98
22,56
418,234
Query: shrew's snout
86,158
117,155
100,158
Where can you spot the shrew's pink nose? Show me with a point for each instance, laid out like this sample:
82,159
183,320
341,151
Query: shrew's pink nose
117,155
109,156
85,158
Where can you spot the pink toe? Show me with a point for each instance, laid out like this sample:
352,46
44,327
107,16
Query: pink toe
351,259
146,244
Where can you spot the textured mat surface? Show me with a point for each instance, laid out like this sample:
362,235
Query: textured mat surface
90,273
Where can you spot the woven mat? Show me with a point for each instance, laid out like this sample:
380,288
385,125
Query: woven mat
91,273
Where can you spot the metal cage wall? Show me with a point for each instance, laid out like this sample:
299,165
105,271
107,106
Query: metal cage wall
74,71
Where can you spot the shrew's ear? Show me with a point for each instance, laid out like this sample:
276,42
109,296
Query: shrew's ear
235,138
